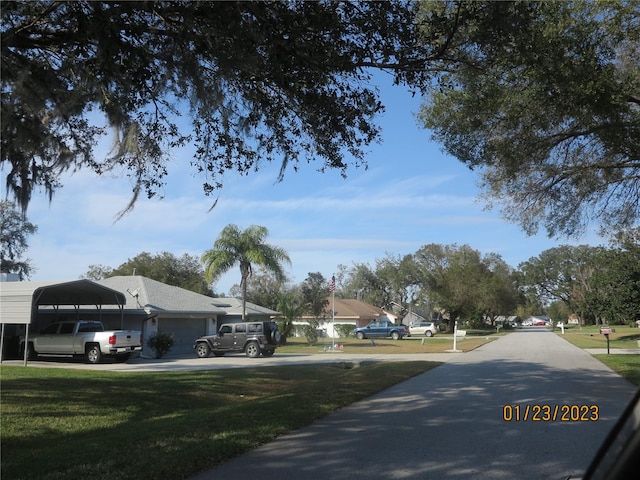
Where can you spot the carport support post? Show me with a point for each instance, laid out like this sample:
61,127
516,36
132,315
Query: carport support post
2,343
26,344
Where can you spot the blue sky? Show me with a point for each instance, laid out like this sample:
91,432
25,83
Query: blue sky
411,195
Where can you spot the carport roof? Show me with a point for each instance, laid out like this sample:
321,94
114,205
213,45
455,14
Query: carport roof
18,298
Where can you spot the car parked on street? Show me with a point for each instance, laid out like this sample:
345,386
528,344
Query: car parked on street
428,329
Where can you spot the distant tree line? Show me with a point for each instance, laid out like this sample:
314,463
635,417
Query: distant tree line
597,284
184,272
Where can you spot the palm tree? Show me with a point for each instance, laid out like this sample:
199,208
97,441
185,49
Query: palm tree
291,308
246,248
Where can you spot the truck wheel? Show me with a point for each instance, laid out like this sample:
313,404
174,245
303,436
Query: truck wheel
395,335
123,357
202,350
252,350
93,353
359,335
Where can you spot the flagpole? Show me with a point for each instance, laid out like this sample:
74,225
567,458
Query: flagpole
332,289
333,319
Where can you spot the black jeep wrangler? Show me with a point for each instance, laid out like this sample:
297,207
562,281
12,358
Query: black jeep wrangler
252,338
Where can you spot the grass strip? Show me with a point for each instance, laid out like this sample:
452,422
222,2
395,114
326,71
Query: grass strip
624,337
627,366
65,424
416,344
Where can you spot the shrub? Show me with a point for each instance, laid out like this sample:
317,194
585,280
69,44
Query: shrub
311,333
344,329
160,343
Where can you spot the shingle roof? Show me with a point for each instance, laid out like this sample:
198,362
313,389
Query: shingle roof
142,292
233,306
159,297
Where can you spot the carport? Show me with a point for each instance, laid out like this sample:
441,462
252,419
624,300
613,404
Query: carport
20,301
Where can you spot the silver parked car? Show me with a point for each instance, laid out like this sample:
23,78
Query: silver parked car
428,329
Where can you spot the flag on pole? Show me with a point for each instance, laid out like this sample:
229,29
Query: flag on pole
332,284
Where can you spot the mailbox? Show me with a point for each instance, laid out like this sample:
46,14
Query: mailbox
606,331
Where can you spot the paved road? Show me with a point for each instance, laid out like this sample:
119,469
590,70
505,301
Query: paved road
448,423
191,362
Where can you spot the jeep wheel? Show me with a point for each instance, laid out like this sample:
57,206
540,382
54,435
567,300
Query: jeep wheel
93,353
359,335
202,350
252,350
268,353
395,335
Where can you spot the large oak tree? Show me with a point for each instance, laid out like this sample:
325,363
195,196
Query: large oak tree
14,231
243,82
543,99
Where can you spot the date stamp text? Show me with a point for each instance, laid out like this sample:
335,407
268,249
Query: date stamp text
550,413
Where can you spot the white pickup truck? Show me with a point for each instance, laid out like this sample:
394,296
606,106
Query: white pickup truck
84,337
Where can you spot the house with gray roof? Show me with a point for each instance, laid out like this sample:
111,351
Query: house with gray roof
151,306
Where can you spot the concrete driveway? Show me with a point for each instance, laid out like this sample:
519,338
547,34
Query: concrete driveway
449,423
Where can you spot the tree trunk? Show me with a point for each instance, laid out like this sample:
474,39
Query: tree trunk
244,297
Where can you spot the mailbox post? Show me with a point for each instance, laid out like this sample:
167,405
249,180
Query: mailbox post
606,331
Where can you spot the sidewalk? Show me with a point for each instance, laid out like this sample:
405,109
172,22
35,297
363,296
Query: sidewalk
451,423
613,351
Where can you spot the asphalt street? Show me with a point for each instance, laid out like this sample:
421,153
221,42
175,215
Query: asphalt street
449,423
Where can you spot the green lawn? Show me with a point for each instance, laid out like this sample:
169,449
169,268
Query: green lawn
437,344
626,365
590,337
65,424
624,337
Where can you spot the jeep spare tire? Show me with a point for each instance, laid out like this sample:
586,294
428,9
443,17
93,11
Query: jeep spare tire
275,336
